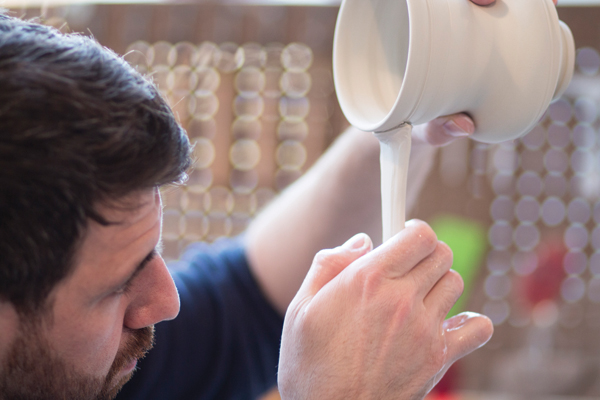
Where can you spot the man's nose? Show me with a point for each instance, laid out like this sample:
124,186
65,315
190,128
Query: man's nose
155,296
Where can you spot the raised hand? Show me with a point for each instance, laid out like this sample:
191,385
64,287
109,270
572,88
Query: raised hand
370,324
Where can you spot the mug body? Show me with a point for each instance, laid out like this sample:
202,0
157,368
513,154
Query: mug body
414,60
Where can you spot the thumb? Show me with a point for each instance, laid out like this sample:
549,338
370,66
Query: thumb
444,130
327,264
465,333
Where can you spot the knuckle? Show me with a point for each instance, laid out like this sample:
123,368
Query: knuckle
426,235
324,256
398,303
403,316
370,282
415,281
444,250
456,282
443,256
406,304
457,279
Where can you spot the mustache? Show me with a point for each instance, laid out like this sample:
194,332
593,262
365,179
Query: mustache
136,347
139,342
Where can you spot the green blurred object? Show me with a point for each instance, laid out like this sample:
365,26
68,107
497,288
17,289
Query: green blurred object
468,241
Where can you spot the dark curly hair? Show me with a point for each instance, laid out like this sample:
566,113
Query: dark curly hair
78,127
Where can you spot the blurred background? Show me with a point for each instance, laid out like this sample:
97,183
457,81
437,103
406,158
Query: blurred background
251,82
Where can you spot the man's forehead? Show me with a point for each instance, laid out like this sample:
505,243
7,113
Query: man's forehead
130,220
130,209
113,251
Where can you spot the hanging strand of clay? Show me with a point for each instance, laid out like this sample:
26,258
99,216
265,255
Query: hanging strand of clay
394,156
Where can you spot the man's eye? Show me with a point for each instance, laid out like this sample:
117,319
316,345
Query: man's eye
124,289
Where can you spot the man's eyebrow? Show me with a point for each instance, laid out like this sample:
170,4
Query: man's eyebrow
141,265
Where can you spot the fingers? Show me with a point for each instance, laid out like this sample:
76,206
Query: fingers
401,253
443,130
444,294
327,264
429,271
465,333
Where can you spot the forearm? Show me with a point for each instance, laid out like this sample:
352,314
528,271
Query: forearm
338,197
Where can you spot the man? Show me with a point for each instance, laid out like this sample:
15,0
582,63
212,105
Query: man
85,143
80,214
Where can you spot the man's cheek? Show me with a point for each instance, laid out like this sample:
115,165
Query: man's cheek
90,346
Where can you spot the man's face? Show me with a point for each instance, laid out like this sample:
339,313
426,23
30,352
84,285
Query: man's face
101,316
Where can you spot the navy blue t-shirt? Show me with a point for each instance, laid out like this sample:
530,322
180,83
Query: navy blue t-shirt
224,344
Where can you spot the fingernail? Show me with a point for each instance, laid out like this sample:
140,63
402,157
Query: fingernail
460,320
356,242
459,126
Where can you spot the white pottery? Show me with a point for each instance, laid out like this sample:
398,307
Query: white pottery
399,61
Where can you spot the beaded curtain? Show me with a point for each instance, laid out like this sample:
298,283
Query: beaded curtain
260,86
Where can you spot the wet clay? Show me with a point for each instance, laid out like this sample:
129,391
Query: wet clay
394,156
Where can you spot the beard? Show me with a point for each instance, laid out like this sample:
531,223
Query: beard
33,371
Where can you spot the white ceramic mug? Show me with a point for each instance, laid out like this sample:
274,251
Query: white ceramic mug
399,61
